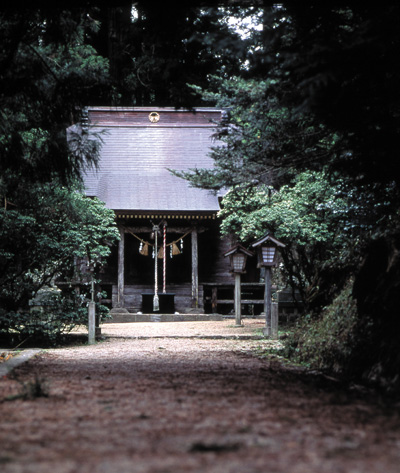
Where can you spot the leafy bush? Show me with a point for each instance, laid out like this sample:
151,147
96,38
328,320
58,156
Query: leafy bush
52,316
326,343
53,234
345,342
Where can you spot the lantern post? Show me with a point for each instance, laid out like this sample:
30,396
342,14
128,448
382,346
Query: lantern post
267,257
91,310
238,256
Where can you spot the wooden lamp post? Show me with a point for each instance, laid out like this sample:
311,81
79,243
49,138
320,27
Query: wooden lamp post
91,310
238,256
267,257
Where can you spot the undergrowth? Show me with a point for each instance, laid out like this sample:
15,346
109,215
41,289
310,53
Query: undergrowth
325,343
30,390
342,343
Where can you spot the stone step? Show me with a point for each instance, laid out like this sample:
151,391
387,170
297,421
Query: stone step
121,317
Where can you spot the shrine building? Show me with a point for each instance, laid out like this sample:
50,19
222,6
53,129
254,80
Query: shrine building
170,243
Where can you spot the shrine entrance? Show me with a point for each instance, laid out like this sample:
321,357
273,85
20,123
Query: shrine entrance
140,259
171,259
173,268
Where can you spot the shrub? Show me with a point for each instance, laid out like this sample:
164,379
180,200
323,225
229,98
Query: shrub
51,316
326,343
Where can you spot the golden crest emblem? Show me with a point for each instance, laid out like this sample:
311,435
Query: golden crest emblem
154,117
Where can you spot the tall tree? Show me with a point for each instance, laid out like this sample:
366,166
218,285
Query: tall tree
155,53
329,102
48,72
340,66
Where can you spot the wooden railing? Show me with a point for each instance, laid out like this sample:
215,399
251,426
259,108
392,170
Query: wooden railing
219,297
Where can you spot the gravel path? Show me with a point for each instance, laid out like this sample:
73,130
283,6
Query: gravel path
227,329
173,402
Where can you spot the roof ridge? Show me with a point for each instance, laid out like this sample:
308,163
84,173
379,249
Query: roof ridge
146,109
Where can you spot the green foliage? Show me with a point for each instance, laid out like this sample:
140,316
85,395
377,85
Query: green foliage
29,390
48,72
51,314
311,215
326,343
320,95
346,342
308,211
339,66
264,142
44,324
44,232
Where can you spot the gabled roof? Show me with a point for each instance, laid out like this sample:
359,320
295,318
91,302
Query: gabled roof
136,154
267,238
238,249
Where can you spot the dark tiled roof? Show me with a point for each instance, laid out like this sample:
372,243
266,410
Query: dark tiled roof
136,154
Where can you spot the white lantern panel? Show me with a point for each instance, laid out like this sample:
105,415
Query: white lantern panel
239,261
268,254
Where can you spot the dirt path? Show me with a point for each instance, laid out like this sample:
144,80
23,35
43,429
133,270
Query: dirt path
170,405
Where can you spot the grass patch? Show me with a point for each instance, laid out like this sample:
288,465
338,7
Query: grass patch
30,390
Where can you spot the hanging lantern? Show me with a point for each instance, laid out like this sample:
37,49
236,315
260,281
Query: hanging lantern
160,254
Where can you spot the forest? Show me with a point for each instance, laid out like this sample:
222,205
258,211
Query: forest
312,96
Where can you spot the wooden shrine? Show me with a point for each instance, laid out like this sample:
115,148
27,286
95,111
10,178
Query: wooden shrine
170,244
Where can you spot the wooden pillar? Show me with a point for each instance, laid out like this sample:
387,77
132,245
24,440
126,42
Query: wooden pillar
195,270
92,323
267,301
214,299
121,267
274,320
97,290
